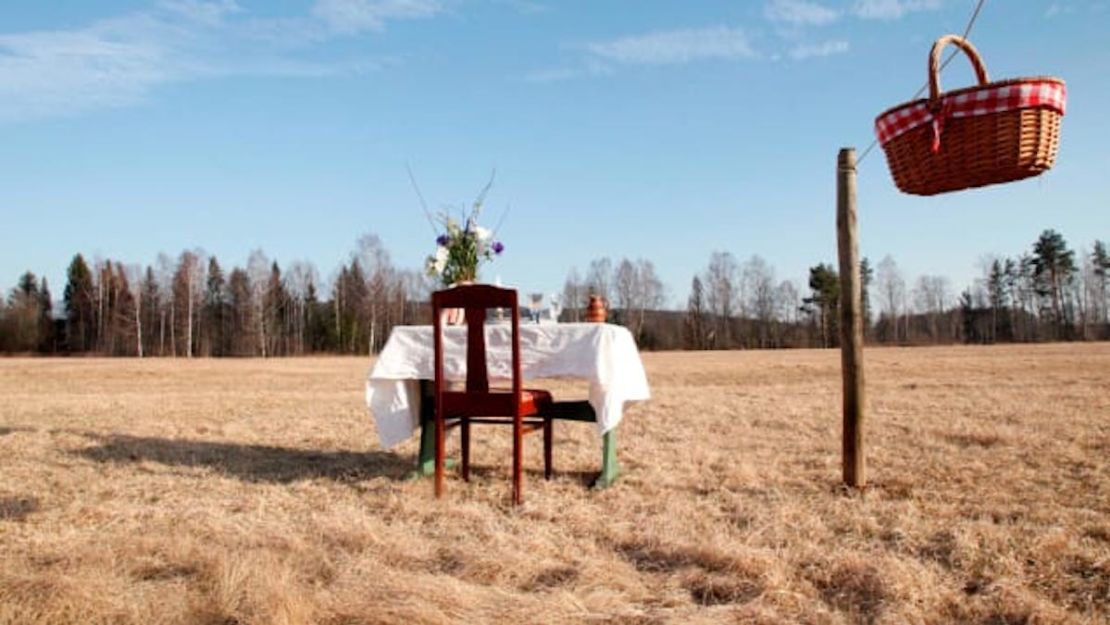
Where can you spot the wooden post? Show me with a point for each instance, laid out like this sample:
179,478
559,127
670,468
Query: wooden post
851,319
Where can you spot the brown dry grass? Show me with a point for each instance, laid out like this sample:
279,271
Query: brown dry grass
234,492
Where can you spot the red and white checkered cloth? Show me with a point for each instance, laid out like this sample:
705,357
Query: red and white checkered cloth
983,101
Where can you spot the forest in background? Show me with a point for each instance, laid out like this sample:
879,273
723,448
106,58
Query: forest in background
192,306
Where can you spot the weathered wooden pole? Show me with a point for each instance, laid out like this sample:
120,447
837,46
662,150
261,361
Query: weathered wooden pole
851,319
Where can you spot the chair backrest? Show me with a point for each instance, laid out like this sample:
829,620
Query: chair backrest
477,400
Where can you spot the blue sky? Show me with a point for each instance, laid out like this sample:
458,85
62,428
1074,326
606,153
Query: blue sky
662,130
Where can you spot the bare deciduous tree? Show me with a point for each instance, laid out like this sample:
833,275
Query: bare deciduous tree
720,282
599,278
892,294
758,279
378,270
134,275
931,298
574,295
258,273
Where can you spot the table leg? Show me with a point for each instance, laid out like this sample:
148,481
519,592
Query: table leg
610,467
426,457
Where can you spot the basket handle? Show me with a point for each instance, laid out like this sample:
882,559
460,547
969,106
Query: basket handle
934,64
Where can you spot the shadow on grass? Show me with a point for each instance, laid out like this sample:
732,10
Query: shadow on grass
250,463
498,472
17,508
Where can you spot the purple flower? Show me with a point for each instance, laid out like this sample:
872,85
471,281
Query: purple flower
498,247
442,240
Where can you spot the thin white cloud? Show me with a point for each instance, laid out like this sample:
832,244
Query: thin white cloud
51,72
591,67
676,47
554,74
211,13
120,61
891,9
799,12
525,7
828,48
352,16
1072,7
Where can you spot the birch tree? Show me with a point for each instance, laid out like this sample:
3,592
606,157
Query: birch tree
599,278
258,274
892,289
650,293
931,296
574,295
720,281
136,283
188,287
624,287
759,290
378,270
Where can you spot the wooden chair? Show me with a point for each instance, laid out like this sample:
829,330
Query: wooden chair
478,403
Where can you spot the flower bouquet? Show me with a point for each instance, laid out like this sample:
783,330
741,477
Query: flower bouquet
461,248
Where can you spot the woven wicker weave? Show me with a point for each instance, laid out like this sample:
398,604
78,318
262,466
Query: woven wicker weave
977,150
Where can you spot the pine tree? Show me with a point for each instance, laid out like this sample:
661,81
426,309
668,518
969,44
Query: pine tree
1053,268
152,309
315,321
1101,261
46,320
241,312
215,311
866,278
276,310
824,301
354,319
694,323
80,314
125,313
22,318
996,294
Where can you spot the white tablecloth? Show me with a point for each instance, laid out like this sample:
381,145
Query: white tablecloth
605,355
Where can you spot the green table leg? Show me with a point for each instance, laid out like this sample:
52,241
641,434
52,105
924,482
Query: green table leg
610,467
426,457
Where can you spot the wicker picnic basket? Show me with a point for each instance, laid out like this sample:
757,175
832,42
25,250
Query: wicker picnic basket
994,132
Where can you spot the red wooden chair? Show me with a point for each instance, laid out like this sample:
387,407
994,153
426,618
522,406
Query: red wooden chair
478,403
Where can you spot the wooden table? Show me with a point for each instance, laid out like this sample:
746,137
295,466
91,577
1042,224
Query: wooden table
604,355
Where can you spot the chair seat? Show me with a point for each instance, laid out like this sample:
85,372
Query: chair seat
496,402
534,400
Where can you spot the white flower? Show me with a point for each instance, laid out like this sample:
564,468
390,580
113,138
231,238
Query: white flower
440,262
483,234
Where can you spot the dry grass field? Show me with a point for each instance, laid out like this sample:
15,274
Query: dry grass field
250,491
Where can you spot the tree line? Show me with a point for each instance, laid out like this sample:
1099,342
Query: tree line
1048,293
192,306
